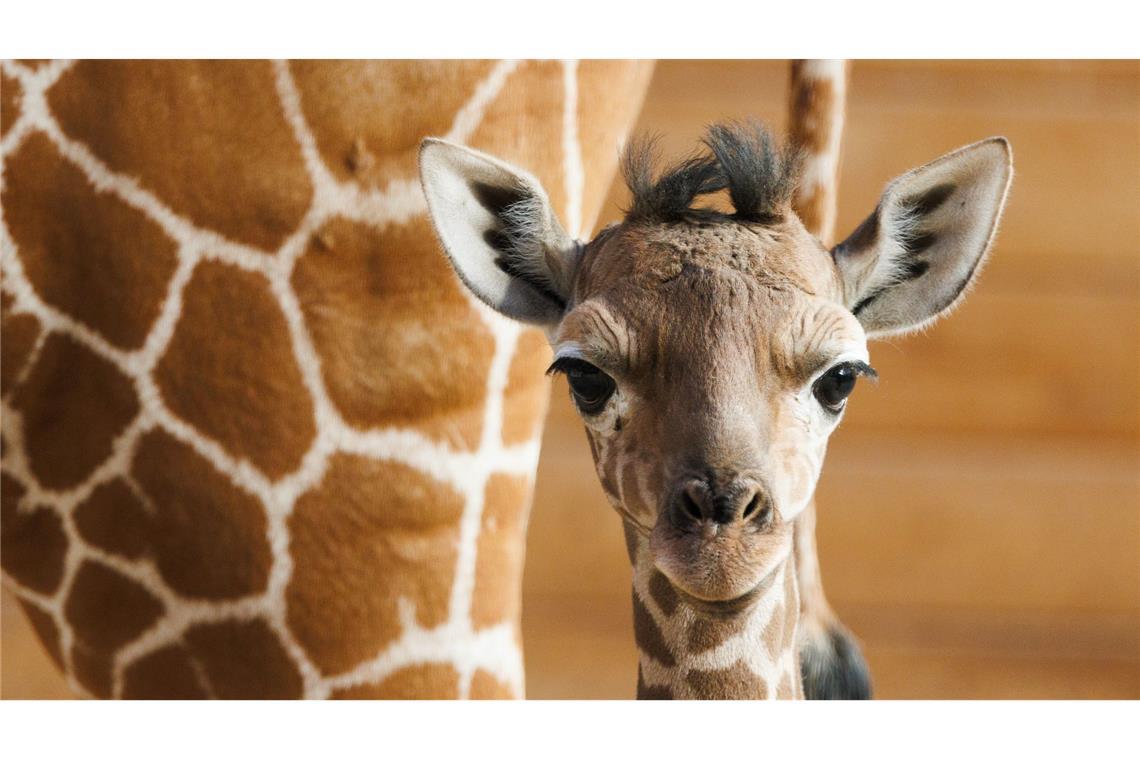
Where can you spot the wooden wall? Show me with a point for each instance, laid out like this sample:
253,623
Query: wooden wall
979,516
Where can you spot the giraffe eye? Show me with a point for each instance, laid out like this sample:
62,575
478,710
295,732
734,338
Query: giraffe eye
590,387
833,388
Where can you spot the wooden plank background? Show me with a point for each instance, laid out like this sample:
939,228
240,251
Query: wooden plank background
980,508
979,516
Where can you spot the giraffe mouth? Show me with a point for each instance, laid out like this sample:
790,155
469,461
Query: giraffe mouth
726,607
721,572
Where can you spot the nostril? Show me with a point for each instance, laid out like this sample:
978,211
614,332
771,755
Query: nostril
753,505
692,509
758,511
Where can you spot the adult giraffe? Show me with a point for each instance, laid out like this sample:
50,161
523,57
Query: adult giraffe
257,442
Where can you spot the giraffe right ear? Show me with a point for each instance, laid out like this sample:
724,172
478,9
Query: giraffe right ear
914,256
499,231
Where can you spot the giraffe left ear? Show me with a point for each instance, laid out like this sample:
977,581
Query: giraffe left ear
499,232
913,258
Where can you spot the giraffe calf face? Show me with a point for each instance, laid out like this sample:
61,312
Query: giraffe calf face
710,355
709,361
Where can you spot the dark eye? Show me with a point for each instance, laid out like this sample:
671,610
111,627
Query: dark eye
590,386
833,388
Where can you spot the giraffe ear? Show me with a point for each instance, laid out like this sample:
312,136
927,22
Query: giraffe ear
499,231
913,258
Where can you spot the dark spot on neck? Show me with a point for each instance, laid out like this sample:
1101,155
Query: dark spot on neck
648,635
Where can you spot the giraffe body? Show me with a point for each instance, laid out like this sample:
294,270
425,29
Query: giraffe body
257,440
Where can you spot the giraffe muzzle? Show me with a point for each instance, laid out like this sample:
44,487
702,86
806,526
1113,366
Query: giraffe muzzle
717,538
708,506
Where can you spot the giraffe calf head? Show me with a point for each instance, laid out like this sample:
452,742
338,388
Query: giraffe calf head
711,354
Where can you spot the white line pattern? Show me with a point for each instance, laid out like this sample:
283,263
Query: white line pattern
455,641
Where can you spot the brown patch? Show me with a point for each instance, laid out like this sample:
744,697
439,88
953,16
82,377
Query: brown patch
85,251
93,670
208,536
32,542
74,404
528,390
371,534
11,93
812,100
18,334
435,681
645,691
610,94
499,561
243,659
736,682
44,626
710,632
368,117
663,593
166,673
786,689
209,138
427,368
811,206
230,371
486,686
106,609
523,126
648,635
113,519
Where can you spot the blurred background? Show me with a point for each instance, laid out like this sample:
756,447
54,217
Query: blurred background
979,512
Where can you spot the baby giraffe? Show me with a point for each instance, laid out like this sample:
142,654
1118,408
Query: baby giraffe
710,355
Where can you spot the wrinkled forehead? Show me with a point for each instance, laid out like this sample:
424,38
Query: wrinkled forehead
648,298
689,308
780,254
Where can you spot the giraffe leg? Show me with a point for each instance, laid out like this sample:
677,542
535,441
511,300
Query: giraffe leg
831,662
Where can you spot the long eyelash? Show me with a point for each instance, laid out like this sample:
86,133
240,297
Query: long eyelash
864,369
567,363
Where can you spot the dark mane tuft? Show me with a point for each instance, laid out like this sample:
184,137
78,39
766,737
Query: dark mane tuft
743,158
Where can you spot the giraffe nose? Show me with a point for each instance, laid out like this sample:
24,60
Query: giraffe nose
736,500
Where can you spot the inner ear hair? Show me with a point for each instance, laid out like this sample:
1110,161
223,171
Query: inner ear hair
915,256
498,231
519,239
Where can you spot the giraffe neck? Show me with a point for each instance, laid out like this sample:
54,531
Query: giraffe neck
691,649
203,497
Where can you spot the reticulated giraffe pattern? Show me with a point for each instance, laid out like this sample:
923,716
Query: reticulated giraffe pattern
818,97
256,440
686,653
